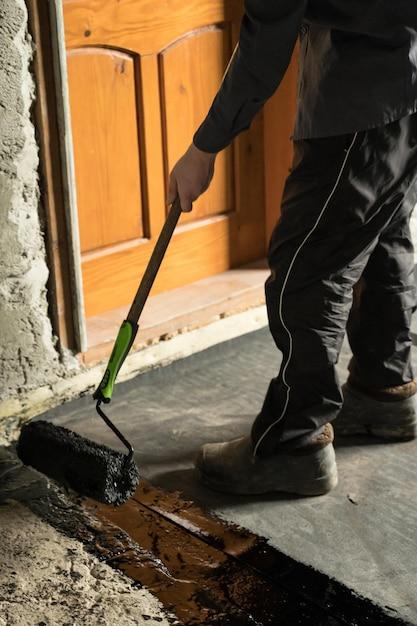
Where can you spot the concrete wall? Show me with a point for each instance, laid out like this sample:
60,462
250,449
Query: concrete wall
28,357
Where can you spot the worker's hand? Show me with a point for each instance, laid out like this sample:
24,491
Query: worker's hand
191,176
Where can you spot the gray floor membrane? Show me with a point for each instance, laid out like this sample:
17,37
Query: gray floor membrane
363,533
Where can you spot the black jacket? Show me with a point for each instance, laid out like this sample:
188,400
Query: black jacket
358,67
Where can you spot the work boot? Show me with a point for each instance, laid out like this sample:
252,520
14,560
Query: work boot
231,467
390,413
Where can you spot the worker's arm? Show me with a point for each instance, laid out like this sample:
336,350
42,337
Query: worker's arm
268,34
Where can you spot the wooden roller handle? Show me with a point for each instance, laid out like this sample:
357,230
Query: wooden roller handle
155,262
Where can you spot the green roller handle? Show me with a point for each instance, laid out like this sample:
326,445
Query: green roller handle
128,329
125,337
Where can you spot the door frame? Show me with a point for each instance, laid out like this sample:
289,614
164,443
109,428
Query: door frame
56,171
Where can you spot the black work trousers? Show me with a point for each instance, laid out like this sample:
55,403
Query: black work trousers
341,260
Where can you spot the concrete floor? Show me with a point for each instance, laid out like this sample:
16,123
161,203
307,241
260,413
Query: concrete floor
362,533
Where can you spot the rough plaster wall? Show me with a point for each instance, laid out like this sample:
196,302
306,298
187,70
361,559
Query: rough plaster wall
28,357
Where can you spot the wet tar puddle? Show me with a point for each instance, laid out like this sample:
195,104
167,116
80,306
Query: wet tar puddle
204,570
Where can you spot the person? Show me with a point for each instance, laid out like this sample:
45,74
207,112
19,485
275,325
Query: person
341,255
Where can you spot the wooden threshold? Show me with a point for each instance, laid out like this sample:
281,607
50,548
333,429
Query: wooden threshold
180,310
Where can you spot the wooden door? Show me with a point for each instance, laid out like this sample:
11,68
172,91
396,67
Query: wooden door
142,75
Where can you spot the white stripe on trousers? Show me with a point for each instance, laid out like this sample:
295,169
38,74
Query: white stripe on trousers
282,294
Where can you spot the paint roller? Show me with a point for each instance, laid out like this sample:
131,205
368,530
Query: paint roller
75,462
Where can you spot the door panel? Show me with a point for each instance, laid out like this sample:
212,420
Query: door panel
187,95
142,75
103,111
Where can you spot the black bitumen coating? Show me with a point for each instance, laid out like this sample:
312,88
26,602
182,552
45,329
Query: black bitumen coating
90,469
206,571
